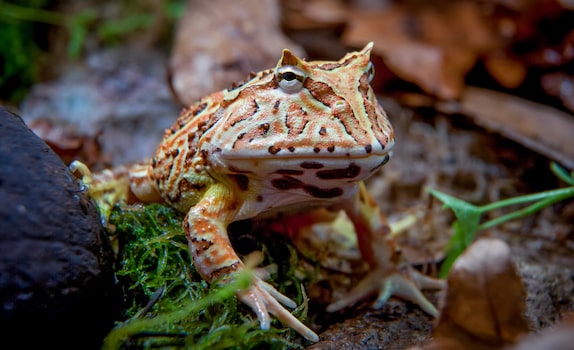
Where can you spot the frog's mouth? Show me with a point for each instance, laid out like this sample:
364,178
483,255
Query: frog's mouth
308,168
316,150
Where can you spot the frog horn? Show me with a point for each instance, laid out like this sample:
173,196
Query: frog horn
362,57
367,49
289,59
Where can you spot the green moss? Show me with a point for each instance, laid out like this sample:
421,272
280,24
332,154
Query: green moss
168,305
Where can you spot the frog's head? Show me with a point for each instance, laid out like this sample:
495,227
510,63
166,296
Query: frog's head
318,116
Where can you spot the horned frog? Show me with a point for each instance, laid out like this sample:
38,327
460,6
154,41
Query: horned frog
301,135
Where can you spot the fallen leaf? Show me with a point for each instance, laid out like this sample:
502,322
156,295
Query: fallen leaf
219,42
63,137
432,46
485,301
509,72
68,143
313,14
541,128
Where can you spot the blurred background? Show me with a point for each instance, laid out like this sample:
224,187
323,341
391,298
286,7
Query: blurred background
82,72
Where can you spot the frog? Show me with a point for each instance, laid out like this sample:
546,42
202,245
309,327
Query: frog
299,136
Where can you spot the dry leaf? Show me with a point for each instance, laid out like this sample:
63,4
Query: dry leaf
432,46
68,143
509,72
219,42
539,127
485,301
313,14
458,24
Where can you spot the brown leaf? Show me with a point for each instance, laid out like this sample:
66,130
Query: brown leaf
62,137
219,42
432,46
68,143
509,72
541,128
313,14
460,24
485,301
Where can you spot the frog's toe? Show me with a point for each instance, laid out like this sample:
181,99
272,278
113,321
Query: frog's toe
405,288
404,285
263,299
106,188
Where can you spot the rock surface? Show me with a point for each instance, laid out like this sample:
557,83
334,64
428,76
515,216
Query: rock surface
55,287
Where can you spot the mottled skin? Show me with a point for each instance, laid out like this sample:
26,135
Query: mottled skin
301,135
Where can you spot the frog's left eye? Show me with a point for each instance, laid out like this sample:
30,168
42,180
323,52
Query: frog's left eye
290,78
370,71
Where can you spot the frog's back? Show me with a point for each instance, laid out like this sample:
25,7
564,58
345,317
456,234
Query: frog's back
178,168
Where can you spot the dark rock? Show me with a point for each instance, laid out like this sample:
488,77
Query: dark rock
56,282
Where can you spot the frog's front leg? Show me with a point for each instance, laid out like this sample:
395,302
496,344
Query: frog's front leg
206,228
387,276
122,184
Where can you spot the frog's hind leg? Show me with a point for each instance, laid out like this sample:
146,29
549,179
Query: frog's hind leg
123,184
389,275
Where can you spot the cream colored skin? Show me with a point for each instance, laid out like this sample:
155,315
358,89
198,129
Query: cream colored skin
305,134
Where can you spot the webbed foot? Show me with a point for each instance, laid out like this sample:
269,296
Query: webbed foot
404,284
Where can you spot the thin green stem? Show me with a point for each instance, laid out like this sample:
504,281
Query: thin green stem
529,210
561,193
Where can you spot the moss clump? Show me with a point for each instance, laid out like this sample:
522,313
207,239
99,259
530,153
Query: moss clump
168,305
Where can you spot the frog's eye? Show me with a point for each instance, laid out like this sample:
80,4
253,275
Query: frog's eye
370,71
290,78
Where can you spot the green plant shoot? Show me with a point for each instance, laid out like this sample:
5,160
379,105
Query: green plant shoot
468,216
